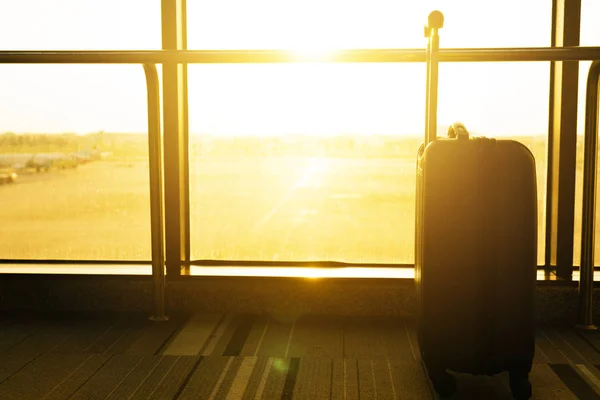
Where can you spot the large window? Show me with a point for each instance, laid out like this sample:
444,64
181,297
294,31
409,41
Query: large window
74,134
317,161
287,162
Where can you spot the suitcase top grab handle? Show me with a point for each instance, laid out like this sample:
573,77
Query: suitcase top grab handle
457,130
435,21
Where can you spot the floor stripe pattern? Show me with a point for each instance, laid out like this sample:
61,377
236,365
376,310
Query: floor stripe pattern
232,356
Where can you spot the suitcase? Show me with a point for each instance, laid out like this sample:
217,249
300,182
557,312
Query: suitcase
475,253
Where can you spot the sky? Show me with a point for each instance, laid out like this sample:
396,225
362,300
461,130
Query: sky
321,99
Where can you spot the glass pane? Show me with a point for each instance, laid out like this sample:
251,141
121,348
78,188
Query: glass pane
75,134
80,25
590,32
317,161
590,36
304,162
584,67
310,24
82,183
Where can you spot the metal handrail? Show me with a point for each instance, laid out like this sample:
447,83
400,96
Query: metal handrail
590,158
156,192
287,56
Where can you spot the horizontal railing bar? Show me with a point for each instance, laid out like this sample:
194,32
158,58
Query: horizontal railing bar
520,54
232,263
286,56
300,264
78,262
207,56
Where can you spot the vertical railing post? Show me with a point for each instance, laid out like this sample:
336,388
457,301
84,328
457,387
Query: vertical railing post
586,271
175,130
156,194
562,142
427,88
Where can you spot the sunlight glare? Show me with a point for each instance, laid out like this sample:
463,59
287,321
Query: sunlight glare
315,167
306,272
314,53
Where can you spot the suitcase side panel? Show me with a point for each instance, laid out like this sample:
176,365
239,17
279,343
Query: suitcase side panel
450,276
516,255
475,254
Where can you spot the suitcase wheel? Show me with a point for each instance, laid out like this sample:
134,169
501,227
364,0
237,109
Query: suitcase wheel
443,383
520,387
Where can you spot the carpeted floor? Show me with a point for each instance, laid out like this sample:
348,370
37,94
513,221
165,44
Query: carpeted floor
216,356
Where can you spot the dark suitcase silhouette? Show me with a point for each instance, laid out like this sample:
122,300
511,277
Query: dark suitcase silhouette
475,254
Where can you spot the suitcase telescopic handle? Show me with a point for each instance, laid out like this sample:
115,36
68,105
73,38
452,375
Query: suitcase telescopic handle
435,21
457,130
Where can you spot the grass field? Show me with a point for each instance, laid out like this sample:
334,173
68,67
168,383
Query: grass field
241,207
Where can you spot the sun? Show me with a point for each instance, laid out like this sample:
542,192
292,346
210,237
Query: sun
314,53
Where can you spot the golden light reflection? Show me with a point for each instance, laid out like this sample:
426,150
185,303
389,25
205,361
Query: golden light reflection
291,272
280,365
306,272
314,54
314,166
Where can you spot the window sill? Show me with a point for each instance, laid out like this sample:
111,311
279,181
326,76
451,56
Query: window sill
141,269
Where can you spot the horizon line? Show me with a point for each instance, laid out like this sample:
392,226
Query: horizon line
270,135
